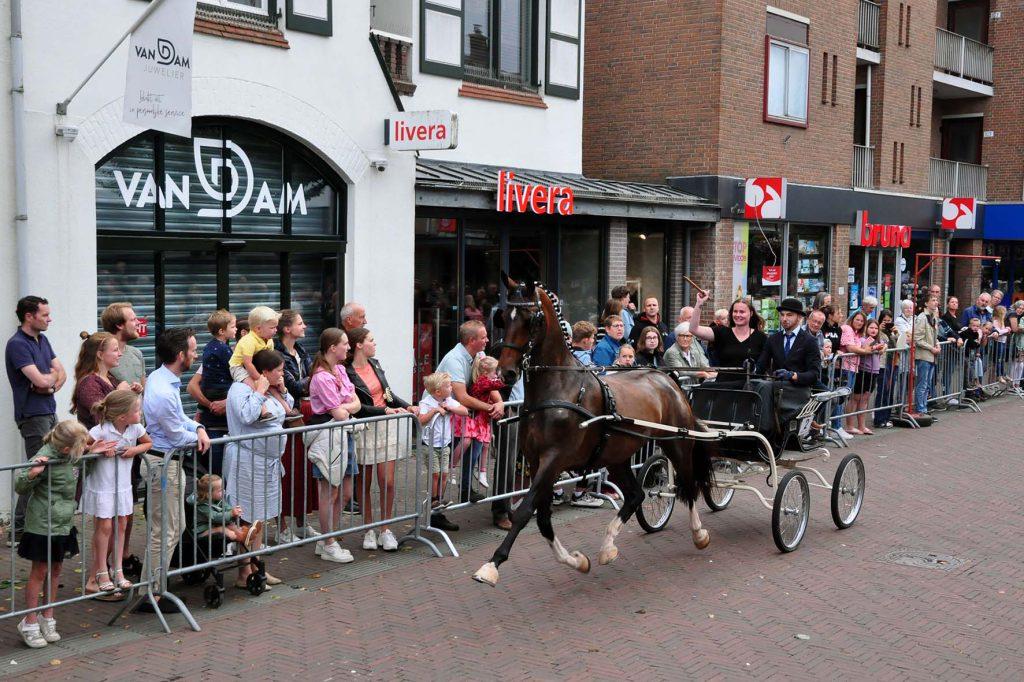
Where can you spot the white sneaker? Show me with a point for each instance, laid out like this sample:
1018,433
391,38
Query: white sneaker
31,635
370,540
286,537
304,532
48,628
388,542
481,476
319,549
335,552
586,500
954,402
844,435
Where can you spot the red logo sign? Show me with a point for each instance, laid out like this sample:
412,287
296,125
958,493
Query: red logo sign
885,236
142,326
765,198
771,275
958,213
517,197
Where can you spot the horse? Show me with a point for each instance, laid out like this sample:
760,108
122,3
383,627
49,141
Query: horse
559,396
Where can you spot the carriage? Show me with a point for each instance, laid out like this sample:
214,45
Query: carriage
744,454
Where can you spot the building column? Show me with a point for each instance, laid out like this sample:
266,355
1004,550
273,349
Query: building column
839,270
676,270
617,239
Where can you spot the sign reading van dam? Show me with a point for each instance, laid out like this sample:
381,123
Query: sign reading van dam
215,169
158,84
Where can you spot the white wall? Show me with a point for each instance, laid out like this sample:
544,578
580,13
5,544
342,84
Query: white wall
327,92
501,133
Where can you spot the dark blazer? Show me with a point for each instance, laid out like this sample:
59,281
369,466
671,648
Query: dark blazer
804,357
368,409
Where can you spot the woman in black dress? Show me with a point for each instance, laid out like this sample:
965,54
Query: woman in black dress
742,340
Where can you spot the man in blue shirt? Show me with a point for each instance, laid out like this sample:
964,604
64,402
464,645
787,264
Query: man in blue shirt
170,430
35,375
981,310
607,349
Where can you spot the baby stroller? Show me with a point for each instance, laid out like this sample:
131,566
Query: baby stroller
195,551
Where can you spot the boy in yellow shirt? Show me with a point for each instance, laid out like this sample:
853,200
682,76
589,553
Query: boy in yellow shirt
262,328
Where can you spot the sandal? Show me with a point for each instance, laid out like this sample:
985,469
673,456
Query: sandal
105,585
867,432
123,583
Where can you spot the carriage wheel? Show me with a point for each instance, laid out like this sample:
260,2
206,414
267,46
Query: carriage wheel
791,511
717,498
656,478
848,491
195,577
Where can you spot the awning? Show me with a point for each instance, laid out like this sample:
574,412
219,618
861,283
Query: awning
447,184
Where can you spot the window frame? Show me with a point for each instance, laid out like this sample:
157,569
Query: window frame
549,35
263,10
769,40
528,47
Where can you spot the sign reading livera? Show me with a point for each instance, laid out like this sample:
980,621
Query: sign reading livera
216,168
422,130
521,197
158,84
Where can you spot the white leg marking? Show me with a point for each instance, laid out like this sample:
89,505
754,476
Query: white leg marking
609,551
701,537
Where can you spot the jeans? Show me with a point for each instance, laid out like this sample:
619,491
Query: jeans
925,374
848,380
33,429
469,464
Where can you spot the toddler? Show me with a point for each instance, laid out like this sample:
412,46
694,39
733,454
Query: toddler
50,535
107,490
486,386
434,409
213,517
262,329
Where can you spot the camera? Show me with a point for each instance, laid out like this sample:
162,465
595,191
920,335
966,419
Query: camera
380,164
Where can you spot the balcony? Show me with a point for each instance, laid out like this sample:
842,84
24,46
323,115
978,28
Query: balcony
957,179
867,25
963,67
863,167
397,51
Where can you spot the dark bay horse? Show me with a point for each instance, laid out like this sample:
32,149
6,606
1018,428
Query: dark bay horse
557,402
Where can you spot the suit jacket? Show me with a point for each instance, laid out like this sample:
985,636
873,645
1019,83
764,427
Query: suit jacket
804,357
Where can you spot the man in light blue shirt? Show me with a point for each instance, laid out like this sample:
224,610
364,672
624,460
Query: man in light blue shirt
170,429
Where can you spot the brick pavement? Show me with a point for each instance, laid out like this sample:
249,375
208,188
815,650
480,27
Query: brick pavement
663,610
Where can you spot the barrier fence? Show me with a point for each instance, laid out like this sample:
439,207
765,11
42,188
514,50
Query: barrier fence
399,471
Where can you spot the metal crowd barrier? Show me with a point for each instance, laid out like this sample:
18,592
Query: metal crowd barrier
16,572
996,368
888,396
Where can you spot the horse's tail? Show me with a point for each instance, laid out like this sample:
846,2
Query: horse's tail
701,475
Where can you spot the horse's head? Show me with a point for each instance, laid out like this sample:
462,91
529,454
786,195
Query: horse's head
521,316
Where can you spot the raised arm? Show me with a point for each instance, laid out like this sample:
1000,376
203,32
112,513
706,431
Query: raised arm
700,331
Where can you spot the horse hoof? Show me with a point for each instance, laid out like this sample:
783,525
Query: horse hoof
701,539
488,574
582,562
608,555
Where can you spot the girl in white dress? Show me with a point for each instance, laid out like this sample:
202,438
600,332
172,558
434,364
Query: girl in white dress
107,489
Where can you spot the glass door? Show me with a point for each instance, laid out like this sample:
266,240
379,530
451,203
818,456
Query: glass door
435,293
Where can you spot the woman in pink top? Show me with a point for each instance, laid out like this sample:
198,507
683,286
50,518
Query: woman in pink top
332,397
867,376
852,333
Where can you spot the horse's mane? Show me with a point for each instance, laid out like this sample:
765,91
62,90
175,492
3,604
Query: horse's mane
560,319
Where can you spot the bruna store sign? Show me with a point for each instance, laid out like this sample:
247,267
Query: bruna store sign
866,233
213,171
521,197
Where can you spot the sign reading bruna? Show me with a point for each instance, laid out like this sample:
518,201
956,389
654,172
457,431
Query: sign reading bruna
520,197
879,235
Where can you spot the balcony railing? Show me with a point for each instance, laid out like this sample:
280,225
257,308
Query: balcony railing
397,53
962,56
863,167
958,179
867,24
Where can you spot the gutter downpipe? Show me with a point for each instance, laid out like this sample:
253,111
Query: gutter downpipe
18,120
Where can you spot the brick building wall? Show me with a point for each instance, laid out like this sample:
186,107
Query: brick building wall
1004,153
651,102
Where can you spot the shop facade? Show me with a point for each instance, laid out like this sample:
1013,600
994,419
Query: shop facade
1003,230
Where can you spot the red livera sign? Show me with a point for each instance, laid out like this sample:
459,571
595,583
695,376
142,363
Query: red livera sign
520,197
878,235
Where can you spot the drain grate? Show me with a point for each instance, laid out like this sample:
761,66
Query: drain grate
922,559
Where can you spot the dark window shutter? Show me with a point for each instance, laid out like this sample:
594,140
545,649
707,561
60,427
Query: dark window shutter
562,53
311,16
442,26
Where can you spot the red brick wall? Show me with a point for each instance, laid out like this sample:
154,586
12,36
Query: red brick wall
1003,153
651,101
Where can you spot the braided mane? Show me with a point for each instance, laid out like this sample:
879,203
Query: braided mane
557,304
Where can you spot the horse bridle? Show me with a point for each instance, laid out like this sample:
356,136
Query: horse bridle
525,349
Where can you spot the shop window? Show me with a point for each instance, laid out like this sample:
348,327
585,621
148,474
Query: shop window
764,276
314,294
645,267
255,279
808,262
190,295
579,285
321,202
497,40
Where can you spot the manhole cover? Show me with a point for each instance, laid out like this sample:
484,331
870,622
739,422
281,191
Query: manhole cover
920,559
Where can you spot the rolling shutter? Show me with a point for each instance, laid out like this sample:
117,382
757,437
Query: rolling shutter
309,16
562,62
441,30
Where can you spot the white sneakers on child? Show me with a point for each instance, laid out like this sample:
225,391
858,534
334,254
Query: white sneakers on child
388,542
370,541
32,634
481,477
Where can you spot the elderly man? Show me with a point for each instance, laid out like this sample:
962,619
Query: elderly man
685,313
868,306
981,309
687,354
815,321
353,316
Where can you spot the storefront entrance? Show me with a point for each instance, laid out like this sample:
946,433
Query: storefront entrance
876,272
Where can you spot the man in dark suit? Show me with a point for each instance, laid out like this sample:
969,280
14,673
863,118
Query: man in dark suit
793,360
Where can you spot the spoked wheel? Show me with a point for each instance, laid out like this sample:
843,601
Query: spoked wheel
256,584
718,498
657,479
791,511
848,491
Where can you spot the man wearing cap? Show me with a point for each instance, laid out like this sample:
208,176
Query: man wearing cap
792,359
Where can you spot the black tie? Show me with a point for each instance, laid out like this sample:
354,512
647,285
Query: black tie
788,344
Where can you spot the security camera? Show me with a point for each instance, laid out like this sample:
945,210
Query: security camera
69,133
380,164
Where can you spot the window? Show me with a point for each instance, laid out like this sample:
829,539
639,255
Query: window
579,282
645,268
496,41
254,6
786,99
